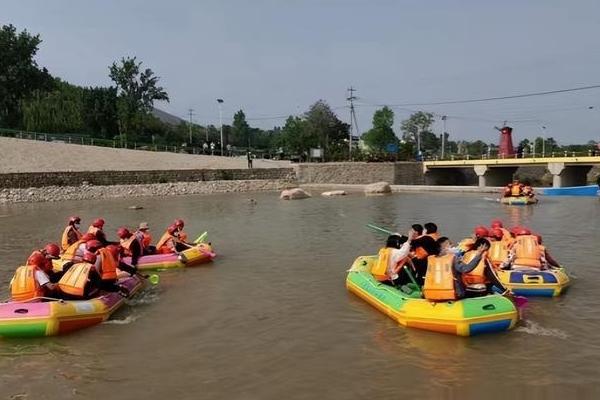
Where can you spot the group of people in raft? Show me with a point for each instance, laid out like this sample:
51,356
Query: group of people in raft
90,263
448,273
518,189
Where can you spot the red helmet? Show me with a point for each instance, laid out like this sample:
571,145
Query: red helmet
93,245
98,223
114,251
179,223
522,231
37,259
52,250
74,220
496,233
123,233
88,236
497,223
172,229
88,256
481,231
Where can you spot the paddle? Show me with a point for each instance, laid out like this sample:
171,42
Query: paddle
380,229
201,238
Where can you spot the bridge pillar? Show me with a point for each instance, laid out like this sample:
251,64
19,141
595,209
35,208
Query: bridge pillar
571,175
496,176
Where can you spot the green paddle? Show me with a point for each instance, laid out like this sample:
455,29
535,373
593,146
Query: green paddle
201,238
380,229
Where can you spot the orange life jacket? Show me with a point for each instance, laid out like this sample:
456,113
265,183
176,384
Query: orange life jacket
24,286
439,279
74,280
71,254
162,246
144,237
108,265
528,252
126,244
478,274
515,190
380,269
498,252
66,241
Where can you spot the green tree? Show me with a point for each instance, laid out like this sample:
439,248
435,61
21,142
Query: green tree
240,130
20,76
58,111
100,112
137,90
323,128
294,137
417,123
382,133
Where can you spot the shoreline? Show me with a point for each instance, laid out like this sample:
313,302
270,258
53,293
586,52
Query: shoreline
89,192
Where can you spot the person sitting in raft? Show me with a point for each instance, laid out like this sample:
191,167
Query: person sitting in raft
32,280
498,224
170,243
50,252
144,236
421,248
75,251
527,251
131,246
71,234
97,230
528,191
499,248
107,268
444,279
481,280
392,258
79,282
418,228
431,230
465,245
550,261
181,235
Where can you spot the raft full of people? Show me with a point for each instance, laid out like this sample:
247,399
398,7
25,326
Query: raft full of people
518,194
423,281
82,281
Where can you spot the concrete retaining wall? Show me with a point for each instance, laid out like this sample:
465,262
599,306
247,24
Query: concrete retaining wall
401,173
105,178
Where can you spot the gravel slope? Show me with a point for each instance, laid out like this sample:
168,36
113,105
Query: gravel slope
21,155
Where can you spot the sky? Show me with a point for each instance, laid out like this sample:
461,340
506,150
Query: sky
273,58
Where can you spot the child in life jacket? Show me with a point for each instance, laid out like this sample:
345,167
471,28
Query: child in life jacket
446,272
392,258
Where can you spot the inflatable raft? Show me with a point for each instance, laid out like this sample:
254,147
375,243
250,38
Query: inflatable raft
58,317
199,254
524,281
466,317
518,201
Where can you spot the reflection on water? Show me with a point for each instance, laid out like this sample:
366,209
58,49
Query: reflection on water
271,318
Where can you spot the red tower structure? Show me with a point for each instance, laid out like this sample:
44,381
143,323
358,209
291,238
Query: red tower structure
506,148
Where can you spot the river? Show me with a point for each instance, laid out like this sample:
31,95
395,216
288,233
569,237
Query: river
271,317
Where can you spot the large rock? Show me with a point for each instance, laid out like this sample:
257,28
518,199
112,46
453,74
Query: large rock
294,194
334,193
378,188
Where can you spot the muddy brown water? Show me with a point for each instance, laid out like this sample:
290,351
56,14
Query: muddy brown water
271,318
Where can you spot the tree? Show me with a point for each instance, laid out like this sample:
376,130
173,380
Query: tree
415,124
137,92
240,130
20,76
382,134
294,136
323,127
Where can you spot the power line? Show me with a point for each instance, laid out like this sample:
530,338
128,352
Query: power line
516,96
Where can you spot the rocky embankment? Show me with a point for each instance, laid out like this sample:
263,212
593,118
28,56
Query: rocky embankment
88,192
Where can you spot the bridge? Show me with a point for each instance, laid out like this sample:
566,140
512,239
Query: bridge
566,171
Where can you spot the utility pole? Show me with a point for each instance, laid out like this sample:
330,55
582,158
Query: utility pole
220,102
191,114
353,122
444,135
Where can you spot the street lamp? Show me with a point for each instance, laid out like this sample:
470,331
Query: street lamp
220,101
444,135
543,141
